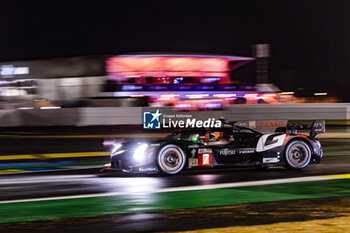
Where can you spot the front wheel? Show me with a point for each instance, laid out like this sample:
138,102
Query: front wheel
297,155
171,159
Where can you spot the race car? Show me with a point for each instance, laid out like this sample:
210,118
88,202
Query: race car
231,145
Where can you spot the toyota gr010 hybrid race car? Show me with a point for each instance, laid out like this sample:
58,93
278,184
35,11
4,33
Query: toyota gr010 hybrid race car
230,145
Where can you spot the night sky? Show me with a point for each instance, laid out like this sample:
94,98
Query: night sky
310,40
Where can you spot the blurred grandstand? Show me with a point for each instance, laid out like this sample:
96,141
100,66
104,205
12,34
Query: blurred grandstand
184,81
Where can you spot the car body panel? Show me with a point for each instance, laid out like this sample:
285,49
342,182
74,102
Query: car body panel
238,146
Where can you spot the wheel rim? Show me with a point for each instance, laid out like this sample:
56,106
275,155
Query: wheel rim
171,160
298,155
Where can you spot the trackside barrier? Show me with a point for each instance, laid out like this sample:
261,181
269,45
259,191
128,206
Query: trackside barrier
132,115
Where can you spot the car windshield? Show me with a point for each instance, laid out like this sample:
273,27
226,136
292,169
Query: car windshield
187,135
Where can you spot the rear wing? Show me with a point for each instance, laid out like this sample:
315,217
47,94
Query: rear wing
269,126
317,127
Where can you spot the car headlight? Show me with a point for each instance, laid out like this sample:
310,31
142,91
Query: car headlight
116,148
139,153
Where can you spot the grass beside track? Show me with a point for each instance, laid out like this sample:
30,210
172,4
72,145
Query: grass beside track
33,210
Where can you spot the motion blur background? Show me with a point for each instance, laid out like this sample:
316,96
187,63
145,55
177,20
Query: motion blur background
307,41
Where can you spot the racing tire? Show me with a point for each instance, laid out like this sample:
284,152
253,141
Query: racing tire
171,159
297,155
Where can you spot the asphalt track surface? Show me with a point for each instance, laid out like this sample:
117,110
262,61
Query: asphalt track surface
90,181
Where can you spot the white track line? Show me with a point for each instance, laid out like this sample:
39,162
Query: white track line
68,168
179,189
42,179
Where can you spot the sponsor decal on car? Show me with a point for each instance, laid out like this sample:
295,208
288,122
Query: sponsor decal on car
246,151
204,150
226,152
148,169
193,153
192,162
271,123
270,160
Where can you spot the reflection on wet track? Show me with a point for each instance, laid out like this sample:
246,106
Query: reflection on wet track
57,184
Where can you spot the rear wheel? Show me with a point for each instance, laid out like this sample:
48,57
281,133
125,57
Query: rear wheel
297,155
171,159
